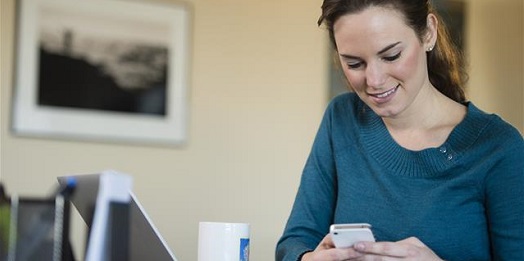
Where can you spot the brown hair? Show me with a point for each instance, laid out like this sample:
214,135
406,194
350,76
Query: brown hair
445,62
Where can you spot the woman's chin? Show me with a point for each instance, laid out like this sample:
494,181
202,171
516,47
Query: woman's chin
384,111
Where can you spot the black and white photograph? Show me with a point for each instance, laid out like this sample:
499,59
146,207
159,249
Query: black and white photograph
84,64
116,62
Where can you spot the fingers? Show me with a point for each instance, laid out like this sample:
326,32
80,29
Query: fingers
326,243
335,254
414,241
382,248
326,251
410,247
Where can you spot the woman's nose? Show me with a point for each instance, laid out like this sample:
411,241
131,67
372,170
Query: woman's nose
375,75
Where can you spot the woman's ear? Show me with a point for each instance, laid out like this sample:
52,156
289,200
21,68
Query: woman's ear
431,34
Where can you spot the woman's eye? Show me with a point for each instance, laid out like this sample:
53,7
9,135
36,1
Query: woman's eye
392,58
354,65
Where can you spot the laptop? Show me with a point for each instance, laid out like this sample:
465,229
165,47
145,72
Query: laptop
145,242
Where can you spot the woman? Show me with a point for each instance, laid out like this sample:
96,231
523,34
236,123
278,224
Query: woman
436,177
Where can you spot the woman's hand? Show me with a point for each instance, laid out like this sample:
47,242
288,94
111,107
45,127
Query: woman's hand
408,249
326,251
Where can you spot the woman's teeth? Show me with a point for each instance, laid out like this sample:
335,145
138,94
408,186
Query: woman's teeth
386,94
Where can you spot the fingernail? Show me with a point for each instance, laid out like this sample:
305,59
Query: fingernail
360,246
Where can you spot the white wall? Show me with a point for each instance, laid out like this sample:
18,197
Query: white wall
259,87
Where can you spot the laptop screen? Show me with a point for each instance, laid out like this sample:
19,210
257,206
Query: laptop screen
145,242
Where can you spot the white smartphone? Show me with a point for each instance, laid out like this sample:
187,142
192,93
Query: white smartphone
346,235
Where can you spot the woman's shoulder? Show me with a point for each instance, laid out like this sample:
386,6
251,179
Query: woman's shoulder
345,101
493,126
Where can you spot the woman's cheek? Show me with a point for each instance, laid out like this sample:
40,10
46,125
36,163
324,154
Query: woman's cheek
409,68
356,81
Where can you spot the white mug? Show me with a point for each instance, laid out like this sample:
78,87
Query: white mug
218,241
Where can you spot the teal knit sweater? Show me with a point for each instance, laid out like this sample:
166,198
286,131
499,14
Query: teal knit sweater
464,199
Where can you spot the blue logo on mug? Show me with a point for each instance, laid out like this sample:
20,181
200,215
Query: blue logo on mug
244,249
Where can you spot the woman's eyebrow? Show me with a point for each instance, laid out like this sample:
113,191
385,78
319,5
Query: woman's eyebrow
385,49
349,57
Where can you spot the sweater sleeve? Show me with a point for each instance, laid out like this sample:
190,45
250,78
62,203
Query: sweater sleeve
504,188
313,209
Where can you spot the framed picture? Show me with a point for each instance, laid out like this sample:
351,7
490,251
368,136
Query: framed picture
103,70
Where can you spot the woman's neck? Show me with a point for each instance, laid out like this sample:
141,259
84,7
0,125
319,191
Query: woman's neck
427,122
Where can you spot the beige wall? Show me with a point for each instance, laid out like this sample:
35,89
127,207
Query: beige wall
257,94
256,97
495,48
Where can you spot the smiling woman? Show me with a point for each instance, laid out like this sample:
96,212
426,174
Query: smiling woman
381,55
405,152
452,12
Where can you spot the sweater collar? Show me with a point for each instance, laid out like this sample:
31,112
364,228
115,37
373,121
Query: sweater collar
428,162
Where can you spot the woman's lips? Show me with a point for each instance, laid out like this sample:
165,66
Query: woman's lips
384,96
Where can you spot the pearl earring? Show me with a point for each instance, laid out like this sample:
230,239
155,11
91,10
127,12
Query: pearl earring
430,49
